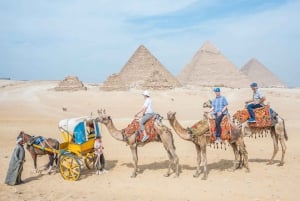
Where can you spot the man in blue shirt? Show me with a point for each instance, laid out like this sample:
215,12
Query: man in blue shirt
256,101
219,109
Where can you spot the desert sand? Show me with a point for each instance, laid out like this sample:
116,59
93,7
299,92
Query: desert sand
34,107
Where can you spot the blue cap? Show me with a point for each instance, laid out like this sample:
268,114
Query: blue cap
217,89
254,84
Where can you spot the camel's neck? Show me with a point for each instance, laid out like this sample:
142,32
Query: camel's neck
182,132
114,132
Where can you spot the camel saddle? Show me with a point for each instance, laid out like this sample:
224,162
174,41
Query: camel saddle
225,129
262,116
134,128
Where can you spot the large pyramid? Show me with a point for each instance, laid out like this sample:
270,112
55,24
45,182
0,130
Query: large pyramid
142,71
258,73
209,67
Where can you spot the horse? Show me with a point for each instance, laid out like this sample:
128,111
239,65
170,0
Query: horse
46,144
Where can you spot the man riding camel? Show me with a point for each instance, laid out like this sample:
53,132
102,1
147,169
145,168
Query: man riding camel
147,112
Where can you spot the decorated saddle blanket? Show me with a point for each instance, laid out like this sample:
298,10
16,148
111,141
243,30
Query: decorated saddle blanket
134,128
199,128
262,117
225,129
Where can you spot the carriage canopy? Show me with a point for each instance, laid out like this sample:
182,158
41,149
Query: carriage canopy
79,129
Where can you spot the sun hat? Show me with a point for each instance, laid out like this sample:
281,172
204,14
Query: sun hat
254,84
217,89
146,93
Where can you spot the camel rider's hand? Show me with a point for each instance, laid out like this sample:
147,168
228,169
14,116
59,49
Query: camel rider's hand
219,114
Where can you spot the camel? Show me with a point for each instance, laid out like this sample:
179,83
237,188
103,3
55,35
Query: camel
277,131
202,140
163,134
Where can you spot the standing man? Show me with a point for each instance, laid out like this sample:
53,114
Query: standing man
147,112
14,172
256,101
219,109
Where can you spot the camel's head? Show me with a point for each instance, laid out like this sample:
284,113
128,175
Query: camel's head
207,104
102,117
171,115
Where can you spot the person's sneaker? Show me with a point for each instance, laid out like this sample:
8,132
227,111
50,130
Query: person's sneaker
218,140
251,120
145,138
104,171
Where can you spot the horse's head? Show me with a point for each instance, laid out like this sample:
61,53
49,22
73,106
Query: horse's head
171,115
207,104
25,137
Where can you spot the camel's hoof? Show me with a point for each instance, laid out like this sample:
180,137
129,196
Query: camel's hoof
270,163
167,174
280,164
196,175
204,177
176,176
247,170
133,176
232,169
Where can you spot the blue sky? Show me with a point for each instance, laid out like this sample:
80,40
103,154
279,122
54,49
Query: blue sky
50,39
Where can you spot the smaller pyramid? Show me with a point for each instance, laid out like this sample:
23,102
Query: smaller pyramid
209,67
70,83
258,73
142,71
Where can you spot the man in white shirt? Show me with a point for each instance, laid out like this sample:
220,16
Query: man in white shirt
147,112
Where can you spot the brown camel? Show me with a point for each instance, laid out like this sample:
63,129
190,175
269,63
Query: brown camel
163,134
202,140
277,131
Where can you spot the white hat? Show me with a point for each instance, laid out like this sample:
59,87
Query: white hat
146,93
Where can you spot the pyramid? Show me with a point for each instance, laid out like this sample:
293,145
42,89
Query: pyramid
70,83
142,71
209,67
258,73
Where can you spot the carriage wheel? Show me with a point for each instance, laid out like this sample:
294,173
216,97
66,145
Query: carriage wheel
89,160
69,167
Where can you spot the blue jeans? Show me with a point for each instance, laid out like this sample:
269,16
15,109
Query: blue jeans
218,121
251,107
143,120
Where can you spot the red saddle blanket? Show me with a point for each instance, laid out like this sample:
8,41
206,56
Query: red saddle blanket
225,129
134,128
262,116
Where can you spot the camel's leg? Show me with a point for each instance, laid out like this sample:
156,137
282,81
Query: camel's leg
198,150
237,157
244,154
275,143
133,149
173,158
203,150
283,148
176,162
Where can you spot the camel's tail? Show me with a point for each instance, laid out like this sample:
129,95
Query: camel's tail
284,130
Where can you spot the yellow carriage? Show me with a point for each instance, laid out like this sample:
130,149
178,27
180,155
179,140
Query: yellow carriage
78,147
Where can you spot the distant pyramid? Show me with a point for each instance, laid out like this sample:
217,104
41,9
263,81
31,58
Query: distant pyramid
209,67
258,73
142,71
70,83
